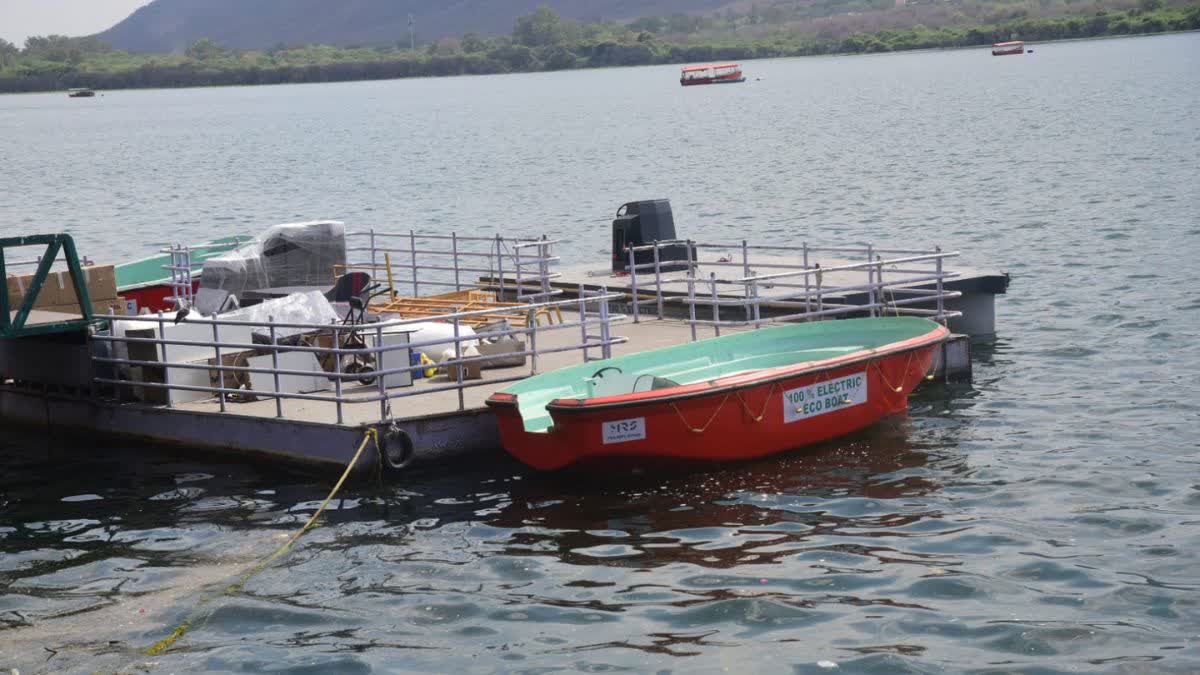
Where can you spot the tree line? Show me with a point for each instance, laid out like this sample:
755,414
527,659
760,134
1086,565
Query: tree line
540,41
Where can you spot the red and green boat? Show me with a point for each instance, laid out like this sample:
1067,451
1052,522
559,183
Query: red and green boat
148,281
733,397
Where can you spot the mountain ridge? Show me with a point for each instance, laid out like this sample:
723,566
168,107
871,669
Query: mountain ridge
172,25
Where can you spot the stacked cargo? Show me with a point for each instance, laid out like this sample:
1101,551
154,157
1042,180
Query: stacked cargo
58,292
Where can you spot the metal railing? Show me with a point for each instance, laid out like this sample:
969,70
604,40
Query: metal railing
794,287
424,262
118,376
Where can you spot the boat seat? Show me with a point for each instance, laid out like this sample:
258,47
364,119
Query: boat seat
648,382
613,383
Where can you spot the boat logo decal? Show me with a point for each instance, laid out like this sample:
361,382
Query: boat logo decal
623,431
823,397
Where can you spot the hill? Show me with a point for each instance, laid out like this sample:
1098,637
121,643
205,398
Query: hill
173,25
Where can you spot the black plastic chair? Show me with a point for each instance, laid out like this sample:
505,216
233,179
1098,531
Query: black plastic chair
356,290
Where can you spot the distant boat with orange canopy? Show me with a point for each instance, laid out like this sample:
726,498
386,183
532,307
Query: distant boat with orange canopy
1008,48
711,73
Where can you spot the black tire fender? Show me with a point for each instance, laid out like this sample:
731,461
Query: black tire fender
396,449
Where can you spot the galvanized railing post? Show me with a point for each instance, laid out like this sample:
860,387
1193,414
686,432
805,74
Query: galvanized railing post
92,389
374,261
820,297
191,286
383,401
804,248
716,308
412,248
500,265
871,280
337,371
454,249
605,334
745,275
274,366
754,300
220,364
633,284
583,321
658,281
691,282
162,337
940,304
461,368
879,280
544,267
519,266
533,356
112,330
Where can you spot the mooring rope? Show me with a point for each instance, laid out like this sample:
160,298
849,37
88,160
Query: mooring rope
166,643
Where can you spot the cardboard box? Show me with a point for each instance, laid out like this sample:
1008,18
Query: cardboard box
324,341
233,379
502,350
59,289
98,308
101,282
471,371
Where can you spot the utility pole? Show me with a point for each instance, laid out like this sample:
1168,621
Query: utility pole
412,34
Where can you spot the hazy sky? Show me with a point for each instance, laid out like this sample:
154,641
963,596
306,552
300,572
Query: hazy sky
21,18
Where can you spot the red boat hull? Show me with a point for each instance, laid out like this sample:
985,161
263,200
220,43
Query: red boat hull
736,418
153,297
713,80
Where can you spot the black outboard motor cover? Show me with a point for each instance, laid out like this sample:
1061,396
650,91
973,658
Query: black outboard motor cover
642,223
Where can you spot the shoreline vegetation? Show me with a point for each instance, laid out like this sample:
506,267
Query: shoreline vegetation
544,41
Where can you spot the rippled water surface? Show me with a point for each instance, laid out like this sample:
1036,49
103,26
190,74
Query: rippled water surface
1044,519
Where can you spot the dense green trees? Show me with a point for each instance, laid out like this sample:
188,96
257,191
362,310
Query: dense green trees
545,41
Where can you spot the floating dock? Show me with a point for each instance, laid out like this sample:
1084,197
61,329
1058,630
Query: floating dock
215,384
973,291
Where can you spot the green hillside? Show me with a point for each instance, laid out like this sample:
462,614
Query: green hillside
543,40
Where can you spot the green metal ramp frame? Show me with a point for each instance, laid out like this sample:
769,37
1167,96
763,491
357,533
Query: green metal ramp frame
14,325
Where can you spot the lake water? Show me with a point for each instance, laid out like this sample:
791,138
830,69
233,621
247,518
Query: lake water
1044,519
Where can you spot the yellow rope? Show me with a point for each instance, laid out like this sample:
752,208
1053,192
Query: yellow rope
165,643
766,404
757,418
700,430
883,377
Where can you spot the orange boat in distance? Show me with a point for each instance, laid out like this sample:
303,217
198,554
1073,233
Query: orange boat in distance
1008,48
711,73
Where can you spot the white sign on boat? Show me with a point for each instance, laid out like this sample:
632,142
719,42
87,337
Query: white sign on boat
824,397
623,431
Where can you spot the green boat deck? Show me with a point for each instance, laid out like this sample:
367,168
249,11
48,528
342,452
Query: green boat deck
150,271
